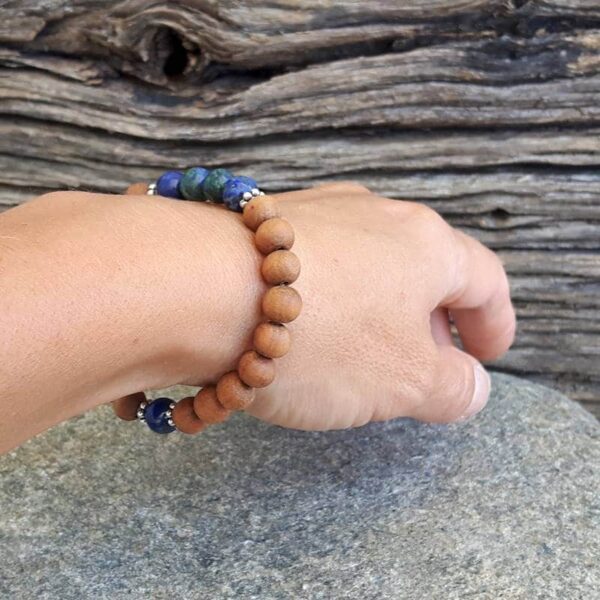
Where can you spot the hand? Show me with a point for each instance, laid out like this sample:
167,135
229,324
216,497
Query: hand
373,342
105,295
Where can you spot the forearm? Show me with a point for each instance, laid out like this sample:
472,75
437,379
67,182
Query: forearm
86,319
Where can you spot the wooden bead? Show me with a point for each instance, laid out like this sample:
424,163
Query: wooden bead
126,408
272,340
208,408
281,304
256,370
274,234
185,418
233,393
259,210
281,266
137,189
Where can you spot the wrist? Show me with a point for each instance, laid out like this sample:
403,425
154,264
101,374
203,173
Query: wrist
205,279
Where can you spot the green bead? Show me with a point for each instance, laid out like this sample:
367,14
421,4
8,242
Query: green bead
214,183
191,183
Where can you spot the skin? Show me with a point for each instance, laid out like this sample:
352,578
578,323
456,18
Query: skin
104,296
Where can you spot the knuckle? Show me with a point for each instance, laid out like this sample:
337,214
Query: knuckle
421,211
433,232
404,210
422,383
443,394
459,391
430,217
428,222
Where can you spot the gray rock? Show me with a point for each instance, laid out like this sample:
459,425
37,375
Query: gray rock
505,506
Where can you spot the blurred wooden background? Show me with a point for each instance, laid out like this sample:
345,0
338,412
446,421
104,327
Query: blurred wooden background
489,111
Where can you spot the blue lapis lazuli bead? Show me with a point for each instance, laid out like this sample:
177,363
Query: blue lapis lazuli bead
234,191
156,417
168,184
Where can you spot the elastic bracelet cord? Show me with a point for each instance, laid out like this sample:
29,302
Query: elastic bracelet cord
281,303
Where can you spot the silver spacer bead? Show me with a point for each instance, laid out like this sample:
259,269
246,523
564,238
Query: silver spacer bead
255,192
140,410
261,193
151,190
247,196
172,405
171,422
168,414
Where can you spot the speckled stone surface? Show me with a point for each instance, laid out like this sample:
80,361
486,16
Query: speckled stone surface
506,506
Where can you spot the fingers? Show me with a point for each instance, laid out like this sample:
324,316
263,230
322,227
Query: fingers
460,388
478,299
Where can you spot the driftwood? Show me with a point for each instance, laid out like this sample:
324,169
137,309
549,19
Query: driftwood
489,111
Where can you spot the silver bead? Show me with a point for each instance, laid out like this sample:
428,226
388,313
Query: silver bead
247,196
255,192
141,409
168,414
171,422
261,193
151,190
172,405
243,203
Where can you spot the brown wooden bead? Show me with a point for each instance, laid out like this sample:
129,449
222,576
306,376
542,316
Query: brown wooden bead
272,340
274,234
259,210
281,266
137,189
208,408
281,304
185,418
233,393
256,370
126,408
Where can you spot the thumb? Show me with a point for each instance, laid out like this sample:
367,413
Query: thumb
460,390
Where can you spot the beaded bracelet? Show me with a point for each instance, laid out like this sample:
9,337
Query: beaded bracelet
281,303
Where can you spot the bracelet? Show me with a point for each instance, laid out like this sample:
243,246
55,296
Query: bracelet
281,303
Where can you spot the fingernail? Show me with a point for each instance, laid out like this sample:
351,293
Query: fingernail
483,384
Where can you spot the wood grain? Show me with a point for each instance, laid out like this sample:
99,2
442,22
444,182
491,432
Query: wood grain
489,111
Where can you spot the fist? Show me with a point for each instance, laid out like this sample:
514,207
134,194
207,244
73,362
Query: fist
382,281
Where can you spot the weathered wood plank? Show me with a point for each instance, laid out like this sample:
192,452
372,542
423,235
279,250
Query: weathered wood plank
487,111
454,85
